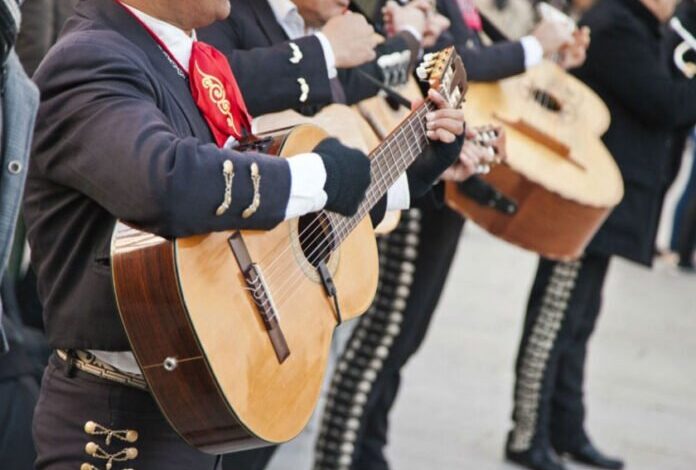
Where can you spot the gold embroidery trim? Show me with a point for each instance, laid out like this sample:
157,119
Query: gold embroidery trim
228,174
256,201
217,94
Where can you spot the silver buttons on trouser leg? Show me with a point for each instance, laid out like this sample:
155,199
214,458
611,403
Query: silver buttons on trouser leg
369,346
537,352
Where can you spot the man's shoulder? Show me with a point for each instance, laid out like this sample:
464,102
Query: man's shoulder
87,48
609,20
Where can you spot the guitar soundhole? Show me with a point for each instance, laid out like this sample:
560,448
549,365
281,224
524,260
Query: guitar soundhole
547,100
316,237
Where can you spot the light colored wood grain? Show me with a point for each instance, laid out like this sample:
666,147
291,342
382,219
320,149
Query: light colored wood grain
584,119
274,400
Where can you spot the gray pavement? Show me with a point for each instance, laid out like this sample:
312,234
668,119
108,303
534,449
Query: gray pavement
453,411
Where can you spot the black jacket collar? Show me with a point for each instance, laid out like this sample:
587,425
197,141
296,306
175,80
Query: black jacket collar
267,20
108,14
641,12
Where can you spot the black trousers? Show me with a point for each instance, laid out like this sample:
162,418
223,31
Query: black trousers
414,263
67,403
562,311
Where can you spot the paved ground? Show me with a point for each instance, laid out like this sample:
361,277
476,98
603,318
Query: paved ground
454,409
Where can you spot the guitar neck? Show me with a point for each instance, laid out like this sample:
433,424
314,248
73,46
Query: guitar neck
388,162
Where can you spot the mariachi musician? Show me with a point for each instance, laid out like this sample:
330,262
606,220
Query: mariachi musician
318,44
120,136
416,261
626,68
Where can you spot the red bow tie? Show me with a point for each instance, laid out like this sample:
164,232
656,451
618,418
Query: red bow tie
217,94
213,87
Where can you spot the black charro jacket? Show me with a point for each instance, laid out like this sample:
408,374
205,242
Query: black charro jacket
626,67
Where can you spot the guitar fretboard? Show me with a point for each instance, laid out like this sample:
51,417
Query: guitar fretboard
388,161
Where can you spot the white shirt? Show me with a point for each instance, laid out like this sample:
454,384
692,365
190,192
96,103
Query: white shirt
533,52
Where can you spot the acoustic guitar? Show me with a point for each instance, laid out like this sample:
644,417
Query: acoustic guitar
232,329
561,177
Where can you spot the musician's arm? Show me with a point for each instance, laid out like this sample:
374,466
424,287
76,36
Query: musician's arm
646,89
271,78
103,135
389,68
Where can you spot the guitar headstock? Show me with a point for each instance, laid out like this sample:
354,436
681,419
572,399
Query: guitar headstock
444,71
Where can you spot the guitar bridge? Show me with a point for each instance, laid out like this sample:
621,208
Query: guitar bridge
253,276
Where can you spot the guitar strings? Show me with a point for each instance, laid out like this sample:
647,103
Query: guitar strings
317,225
312,228
342,227
391,169
345,225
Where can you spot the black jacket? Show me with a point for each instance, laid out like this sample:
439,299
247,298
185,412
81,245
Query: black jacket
499,60
118,135
626,68
252,35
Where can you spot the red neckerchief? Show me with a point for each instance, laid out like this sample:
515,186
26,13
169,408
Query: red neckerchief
471,15
213,87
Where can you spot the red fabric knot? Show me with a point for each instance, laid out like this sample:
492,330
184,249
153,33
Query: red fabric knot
217,94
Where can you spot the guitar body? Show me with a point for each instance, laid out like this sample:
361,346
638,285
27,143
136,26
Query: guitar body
198,335
563,179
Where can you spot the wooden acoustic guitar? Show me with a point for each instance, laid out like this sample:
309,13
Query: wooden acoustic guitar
232,329
560,175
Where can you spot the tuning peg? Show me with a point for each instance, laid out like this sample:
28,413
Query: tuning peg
483,169
423,71
429,57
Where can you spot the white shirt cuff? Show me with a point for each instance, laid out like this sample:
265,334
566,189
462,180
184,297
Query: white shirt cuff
533,51
398,196
307,179
328,54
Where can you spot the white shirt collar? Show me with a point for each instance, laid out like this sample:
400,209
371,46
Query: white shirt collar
177,41
289,18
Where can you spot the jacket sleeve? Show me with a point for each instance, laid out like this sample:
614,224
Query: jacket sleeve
490,63
392,67
100,131
649,91
272,78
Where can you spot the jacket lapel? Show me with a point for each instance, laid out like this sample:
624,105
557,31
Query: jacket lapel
109,13
267,21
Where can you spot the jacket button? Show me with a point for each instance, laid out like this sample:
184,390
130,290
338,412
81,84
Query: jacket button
15,167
